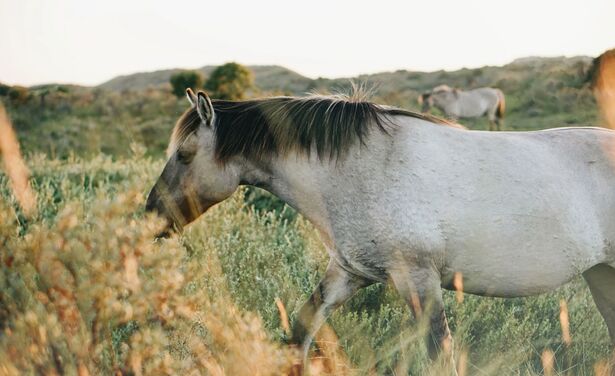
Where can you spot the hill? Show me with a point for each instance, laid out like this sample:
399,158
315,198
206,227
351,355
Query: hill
266,77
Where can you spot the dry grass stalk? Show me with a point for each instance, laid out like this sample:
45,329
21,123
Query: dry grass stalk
564,321
462,363
331,358
283,316
602,368
458,284
14,165
548,362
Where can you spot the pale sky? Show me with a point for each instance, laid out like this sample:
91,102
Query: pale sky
91,41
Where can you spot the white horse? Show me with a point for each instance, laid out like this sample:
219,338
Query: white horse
456,104
402,197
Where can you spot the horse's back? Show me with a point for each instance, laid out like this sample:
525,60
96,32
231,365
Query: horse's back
477,102
527,210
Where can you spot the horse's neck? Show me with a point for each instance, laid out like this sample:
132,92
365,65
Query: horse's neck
303,184
313,187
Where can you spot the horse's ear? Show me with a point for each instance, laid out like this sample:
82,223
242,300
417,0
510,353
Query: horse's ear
191,97
204,108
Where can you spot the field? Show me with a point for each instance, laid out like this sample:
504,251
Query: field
85,290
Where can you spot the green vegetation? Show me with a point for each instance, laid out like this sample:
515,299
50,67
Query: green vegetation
82,285
230,81
184,80
18,95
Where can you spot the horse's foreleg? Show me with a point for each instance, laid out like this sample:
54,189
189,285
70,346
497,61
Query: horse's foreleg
421,289
334,289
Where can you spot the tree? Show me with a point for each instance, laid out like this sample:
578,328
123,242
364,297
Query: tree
4,89
230,81
18,94
186,79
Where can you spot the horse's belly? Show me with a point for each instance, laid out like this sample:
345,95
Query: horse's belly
514,281
519,270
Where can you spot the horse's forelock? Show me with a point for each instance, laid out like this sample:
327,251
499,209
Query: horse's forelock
186,125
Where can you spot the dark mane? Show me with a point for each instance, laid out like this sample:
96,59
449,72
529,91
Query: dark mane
328,125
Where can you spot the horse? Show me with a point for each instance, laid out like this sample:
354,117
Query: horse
474,103
406,198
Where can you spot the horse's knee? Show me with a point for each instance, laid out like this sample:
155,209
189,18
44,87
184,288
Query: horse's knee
334,289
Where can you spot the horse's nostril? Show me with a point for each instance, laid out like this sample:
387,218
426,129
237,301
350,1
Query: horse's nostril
149,206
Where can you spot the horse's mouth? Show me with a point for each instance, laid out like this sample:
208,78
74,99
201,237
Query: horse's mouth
164,234
170,228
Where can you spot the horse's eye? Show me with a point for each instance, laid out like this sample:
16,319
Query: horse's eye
184,157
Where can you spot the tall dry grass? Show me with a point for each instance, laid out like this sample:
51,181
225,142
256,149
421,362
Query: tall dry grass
69,290
14,165
89,292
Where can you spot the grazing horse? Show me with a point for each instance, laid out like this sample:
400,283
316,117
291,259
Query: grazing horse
405,198
467,104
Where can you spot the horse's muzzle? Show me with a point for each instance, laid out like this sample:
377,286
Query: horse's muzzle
152,205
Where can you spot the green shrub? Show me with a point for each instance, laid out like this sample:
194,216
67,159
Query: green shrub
18,95
4,89
230,81
184,80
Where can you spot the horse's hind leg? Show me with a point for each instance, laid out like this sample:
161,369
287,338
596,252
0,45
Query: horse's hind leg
601,281
421,290
493,121
498,123
492,125
336,287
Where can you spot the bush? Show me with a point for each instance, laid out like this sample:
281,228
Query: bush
86,291
184,80
230,81
18,94
4,90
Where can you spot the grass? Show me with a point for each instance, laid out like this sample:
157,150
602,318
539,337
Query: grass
205,302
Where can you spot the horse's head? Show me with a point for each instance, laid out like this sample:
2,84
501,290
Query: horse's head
192,180
440,96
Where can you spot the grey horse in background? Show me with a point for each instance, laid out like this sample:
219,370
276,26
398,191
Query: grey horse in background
474,103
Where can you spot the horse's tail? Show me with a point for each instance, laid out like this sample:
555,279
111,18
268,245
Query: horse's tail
499,112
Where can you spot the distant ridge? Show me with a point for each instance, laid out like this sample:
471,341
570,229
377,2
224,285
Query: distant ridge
542,60
278,79
267,77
